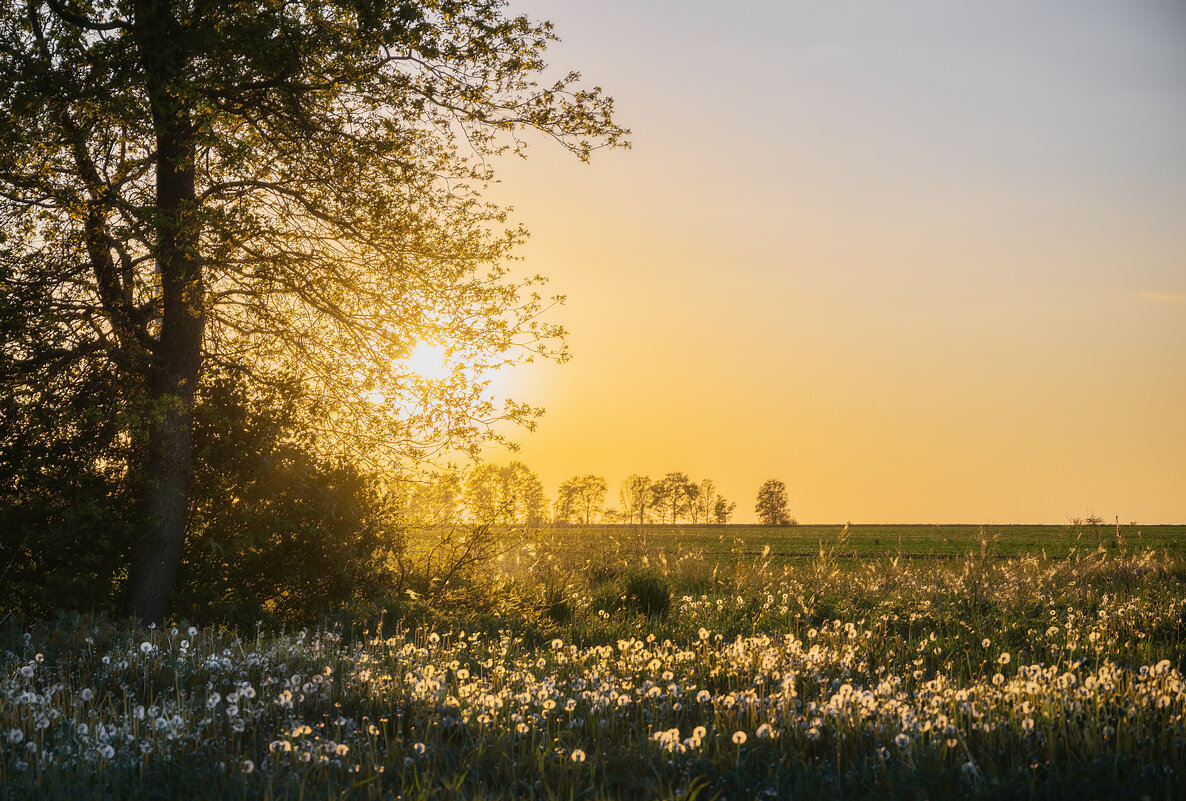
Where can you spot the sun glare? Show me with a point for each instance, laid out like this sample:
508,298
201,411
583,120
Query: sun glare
429,361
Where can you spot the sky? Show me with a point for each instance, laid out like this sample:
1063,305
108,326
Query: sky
923,261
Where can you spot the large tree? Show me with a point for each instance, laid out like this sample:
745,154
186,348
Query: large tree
276,188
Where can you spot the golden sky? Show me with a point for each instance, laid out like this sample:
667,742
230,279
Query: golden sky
922,261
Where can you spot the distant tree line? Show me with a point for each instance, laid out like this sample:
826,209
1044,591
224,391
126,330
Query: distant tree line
513,494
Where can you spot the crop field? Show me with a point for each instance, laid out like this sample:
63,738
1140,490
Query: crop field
646,663
799,542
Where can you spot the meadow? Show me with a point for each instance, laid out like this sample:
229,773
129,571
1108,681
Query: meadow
648,662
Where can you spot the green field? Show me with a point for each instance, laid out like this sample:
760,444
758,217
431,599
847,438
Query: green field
804,542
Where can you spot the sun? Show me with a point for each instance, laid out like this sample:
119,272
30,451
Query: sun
429,361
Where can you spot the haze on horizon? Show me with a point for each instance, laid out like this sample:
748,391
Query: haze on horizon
922,261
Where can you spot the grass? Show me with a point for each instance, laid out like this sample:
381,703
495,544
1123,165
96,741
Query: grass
638,663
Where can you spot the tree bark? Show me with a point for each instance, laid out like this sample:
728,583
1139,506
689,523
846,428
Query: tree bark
177,356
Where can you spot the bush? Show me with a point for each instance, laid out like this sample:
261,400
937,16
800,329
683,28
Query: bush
647,592
277,530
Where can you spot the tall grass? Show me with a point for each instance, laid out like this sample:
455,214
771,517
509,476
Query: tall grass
666,675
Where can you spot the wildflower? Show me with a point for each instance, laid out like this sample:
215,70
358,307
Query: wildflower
703,634
1004,658
1027,725
763,731
146,648
87,694
970,770
985,642
902,740
419,748
248,766
280,745
192,631
15,736
342,749
813,733
213,700
699,732
577,755
738,737
27,671
106,751
703,696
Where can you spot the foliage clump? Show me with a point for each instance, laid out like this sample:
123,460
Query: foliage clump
647,592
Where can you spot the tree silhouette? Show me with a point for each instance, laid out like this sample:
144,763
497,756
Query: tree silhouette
722,510
705,500
772,504
674,493
580,496
274,188
634,493
508,494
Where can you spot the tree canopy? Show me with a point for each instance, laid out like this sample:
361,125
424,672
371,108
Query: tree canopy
280,189
772,507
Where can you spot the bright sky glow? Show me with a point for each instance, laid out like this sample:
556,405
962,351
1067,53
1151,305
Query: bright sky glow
429,362
923,261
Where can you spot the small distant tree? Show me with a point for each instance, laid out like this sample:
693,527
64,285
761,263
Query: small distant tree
674,494
591,492
582,497
635,497
722,510
565,507
434,499
772,506
505,494
702,508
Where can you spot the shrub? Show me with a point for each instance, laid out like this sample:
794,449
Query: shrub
647,592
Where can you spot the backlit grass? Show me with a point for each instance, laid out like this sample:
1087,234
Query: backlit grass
976,677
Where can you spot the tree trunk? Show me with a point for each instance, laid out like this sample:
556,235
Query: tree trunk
177,355
164,509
